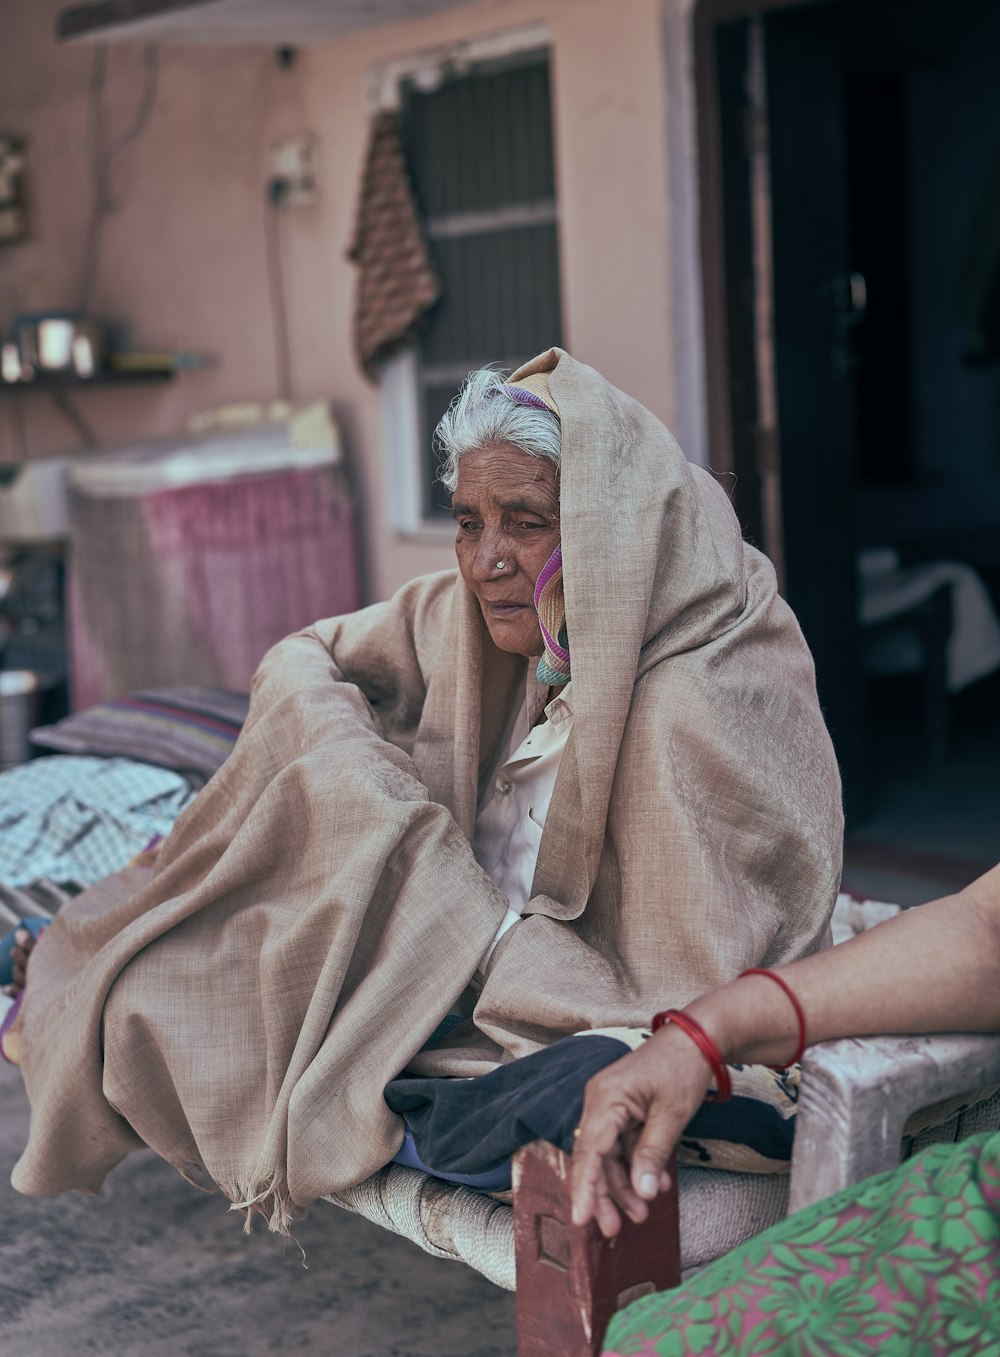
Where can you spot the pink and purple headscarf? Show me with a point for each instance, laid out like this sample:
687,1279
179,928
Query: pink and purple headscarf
550,604
523,396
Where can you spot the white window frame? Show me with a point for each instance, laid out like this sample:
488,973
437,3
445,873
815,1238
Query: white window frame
404,460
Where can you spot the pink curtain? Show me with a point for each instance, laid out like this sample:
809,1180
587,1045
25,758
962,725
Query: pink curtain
193,584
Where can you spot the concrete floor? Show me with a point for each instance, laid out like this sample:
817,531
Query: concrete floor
154,1268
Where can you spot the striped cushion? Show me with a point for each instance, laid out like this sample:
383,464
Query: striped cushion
190,730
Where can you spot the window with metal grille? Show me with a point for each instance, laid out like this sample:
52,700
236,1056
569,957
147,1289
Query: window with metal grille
480,153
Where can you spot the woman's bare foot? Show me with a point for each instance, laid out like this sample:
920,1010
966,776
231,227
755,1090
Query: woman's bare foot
20,955
13,1018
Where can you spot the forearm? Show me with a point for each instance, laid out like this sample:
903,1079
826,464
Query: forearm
931,969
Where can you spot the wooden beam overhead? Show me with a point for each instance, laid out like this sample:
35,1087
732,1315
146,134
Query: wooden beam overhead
297,23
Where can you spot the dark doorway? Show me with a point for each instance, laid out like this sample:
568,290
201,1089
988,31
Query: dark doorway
851,238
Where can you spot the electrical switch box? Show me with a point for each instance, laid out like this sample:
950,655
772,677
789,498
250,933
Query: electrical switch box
294,170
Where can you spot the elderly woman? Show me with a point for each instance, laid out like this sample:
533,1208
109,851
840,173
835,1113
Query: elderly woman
585,773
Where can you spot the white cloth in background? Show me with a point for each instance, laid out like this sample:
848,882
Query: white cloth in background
888,589
852,916
514,801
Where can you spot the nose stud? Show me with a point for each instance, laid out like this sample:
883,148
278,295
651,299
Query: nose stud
501,565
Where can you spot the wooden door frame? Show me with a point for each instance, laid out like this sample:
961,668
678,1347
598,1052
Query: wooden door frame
744,408
716,302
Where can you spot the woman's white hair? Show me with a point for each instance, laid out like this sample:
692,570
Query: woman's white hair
484,413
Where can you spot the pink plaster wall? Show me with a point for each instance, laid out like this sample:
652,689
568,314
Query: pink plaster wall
182,257
183,253
609,110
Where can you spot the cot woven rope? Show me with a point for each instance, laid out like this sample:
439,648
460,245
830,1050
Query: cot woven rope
717,1212
444,1220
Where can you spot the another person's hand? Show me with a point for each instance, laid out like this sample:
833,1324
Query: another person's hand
944,959
633,1115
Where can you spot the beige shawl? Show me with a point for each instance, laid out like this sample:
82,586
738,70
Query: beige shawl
318,908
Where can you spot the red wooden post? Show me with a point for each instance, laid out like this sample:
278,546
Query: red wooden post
570,1279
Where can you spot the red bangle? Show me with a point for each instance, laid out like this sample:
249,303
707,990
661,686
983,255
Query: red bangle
793,1000
723,1083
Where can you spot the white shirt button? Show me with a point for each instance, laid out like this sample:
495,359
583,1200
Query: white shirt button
503,786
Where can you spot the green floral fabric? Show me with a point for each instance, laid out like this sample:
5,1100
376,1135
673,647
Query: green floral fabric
905,1263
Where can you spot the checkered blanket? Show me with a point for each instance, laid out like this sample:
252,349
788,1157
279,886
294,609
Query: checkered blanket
76,820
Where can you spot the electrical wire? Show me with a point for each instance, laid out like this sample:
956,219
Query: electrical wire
72,415
276,190
147,100
19,427
104,154
98,72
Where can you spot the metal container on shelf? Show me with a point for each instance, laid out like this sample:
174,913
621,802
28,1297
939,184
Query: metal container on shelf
19,689
59,341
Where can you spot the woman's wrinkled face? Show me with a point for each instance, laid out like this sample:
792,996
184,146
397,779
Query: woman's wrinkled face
506,505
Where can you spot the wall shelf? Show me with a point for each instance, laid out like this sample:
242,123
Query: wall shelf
69,381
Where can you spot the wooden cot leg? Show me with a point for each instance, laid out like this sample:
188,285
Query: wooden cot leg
570,1279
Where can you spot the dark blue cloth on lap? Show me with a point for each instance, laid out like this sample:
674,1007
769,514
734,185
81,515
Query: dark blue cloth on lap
474,1126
